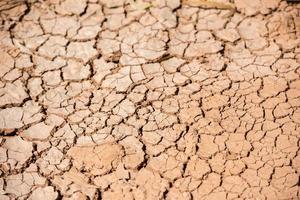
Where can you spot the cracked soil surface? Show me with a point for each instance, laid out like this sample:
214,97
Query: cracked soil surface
116,99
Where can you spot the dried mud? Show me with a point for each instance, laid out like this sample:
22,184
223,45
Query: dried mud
120,99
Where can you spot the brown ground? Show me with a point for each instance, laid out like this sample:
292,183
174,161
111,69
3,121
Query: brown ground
131,100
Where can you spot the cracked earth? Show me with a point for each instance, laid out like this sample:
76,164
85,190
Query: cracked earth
119,99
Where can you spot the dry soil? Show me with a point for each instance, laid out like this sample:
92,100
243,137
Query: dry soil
116,99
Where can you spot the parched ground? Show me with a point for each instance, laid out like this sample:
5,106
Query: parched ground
119,99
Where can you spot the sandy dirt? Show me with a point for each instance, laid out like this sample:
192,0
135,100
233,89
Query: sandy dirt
120,99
